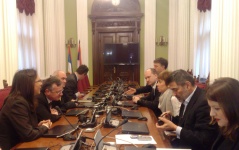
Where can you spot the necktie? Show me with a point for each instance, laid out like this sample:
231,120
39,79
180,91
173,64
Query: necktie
50,105
181,113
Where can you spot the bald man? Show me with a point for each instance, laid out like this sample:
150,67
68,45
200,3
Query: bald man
60,75
152,100
62,103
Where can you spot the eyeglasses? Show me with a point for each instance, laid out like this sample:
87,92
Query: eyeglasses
38,81
57,92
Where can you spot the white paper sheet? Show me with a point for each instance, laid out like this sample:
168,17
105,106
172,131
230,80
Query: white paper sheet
125,139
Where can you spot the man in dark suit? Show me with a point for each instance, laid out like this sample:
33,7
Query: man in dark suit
61,75
192,125
71,92
152,99
51,91
160,64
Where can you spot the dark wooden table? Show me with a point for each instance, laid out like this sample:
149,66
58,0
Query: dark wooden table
56,143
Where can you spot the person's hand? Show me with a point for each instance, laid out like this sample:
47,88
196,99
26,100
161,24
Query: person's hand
166,114
131,91
168,125
47,124
54,111
41,122
80,95
135,99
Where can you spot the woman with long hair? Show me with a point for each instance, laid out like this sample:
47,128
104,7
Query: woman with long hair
18,120
223,99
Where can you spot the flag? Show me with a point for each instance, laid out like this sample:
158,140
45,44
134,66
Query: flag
84,83
69,60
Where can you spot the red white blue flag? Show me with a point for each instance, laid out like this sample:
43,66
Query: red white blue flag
69,60
84,83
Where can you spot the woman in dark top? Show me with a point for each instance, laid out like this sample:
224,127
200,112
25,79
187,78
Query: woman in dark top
18,121
223,99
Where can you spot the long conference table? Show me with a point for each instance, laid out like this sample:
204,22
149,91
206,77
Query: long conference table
57,143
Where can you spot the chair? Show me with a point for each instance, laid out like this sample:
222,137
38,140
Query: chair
80,86
5,84
83,85
3,94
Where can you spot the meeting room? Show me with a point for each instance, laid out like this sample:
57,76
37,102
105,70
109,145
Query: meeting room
119,74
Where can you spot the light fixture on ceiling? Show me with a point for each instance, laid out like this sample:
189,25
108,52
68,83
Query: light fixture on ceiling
115,2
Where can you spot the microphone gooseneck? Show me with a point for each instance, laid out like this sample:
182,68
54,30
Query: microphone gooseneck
123,122
75,128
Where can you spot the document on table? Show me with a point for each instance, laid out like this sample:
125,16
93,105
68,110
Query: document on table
126,139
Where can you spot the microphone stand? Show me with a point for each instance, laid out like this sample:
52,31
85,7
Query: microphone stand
123,122
74,128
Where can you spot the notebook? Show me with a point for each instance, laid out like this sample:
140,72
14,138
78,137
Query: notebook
128,104
131,114
59,130
137,148
76,112
89,104
101,146
135,128
74,146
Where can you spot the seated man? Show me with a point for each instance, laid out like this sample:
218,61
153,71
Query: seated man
71,90
160,64
51,91
192,126
61,75
152,100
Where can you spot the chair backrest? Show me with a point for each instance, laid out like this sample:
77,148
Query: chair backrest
80,86
5,84
3,94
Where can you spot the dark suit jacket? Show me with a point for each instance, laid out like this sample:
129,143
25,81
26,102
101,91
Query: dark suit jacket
70,88
196,132
63,106
43,109
222,143
144,89
18,123
151,101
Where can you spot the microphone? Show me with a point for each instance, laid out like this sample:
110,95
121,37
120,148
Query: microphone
75,128
123,122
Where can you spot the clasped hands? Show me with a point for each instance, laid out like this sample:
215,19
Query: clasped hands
46,123
54,111
168,125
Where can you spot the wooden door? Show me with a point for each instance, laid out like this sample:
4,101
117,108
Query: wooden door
107,72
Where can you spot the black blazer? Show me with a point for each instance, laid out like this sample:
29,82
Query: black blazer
151,101
196,132
63,106
222,143
144,89
43,109
18,123
71,88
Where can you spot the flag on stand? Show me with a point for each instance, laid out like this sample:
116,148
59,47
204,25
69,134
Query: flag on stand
69,60
84,83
